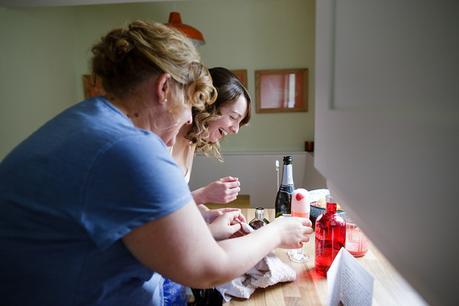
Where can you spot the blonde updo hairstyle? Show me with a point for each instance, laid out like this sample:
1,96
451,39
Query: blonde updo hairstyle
126,57
229,89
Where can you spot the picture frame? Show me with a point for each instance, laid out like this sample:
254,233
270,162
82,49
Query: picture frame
281,90
241,75
92,86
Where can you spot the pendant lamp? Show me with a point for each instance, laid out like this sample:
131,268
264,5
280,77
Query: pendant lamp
192,33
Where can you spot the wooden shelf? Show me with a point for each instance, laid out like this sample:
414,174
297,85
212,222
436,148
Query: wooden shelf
242,201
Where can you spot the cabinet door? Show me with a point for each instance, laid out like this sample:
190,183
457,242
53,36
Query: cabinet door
387,129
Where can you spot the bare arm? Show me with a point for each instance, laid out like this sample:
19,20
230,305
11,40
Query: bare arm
180,247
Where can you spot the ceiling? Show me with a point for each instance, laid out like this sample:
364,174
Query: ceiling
37,3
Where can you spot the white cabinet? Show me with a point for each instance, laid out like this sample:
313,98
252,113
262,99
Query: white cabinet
387,130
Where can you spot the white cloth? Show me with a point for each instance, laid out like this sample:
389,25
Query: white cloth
269,271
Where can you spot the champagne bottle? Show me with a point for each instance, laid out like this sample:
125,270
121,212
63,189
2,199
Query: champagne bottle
284,194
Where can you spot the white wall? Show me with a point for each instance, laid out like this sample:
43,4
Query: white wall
387,130
257,173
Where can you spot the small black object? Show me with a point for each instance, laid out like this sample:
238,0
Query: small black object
206,297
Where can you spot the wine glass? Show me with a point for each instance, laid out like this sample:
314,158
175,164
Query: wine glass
300,208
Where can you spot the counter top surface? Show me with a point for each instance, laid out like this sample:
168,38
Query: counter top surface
310,289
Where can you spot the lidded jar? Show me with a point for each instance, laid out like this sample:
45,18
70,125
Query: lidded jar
259,219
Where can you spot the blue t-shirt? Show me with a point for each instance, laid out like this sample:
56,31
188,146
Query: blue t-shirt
68,194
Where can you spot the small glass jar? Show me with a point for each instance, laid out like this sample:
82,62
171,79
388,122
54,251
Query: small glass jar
356,241
259,219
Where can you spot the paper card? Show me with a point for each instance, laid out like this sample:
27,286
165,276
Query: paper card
348,282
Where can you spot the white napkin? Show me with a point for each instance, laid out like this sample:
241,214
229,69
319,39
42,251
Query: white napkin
268,271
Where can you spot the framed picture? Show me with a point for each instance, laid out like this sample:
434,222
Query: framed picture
281,90
241,75
92,86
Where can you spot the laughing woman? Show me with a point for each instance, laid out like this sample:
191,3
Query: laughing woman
230,111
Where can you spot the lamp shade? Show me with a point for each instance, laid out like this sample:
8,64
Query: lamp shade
194,34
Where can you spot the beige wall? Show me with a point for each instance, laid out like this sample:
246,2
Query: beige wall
37,70
45,51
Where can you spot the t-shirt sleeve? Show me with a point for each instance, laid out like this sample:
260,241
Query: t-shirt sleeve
132,182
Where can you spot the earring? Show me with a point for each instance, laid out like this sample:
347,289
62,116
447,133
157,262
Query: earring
165,100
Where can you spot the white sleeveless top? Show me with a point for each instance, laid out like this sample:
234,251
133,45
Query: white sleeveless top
183,152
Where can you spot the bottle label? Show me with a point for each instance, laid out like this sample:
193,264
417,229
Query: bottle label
283,202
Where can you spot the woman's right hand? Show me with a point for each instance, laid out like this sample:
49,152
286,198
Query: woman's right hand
222,191
293,231
210,215
226,224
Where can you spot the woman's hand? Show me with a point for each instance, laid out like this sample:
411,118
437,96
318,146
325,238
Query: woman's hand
293,231
226,224
210,215
223,190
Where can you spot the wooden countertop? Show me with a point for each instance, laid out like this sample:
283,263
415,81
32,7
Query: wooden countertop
310,289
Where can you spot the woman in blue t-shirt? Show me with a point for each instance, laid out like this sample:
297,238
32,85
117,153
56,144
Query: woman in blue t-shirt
91,204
